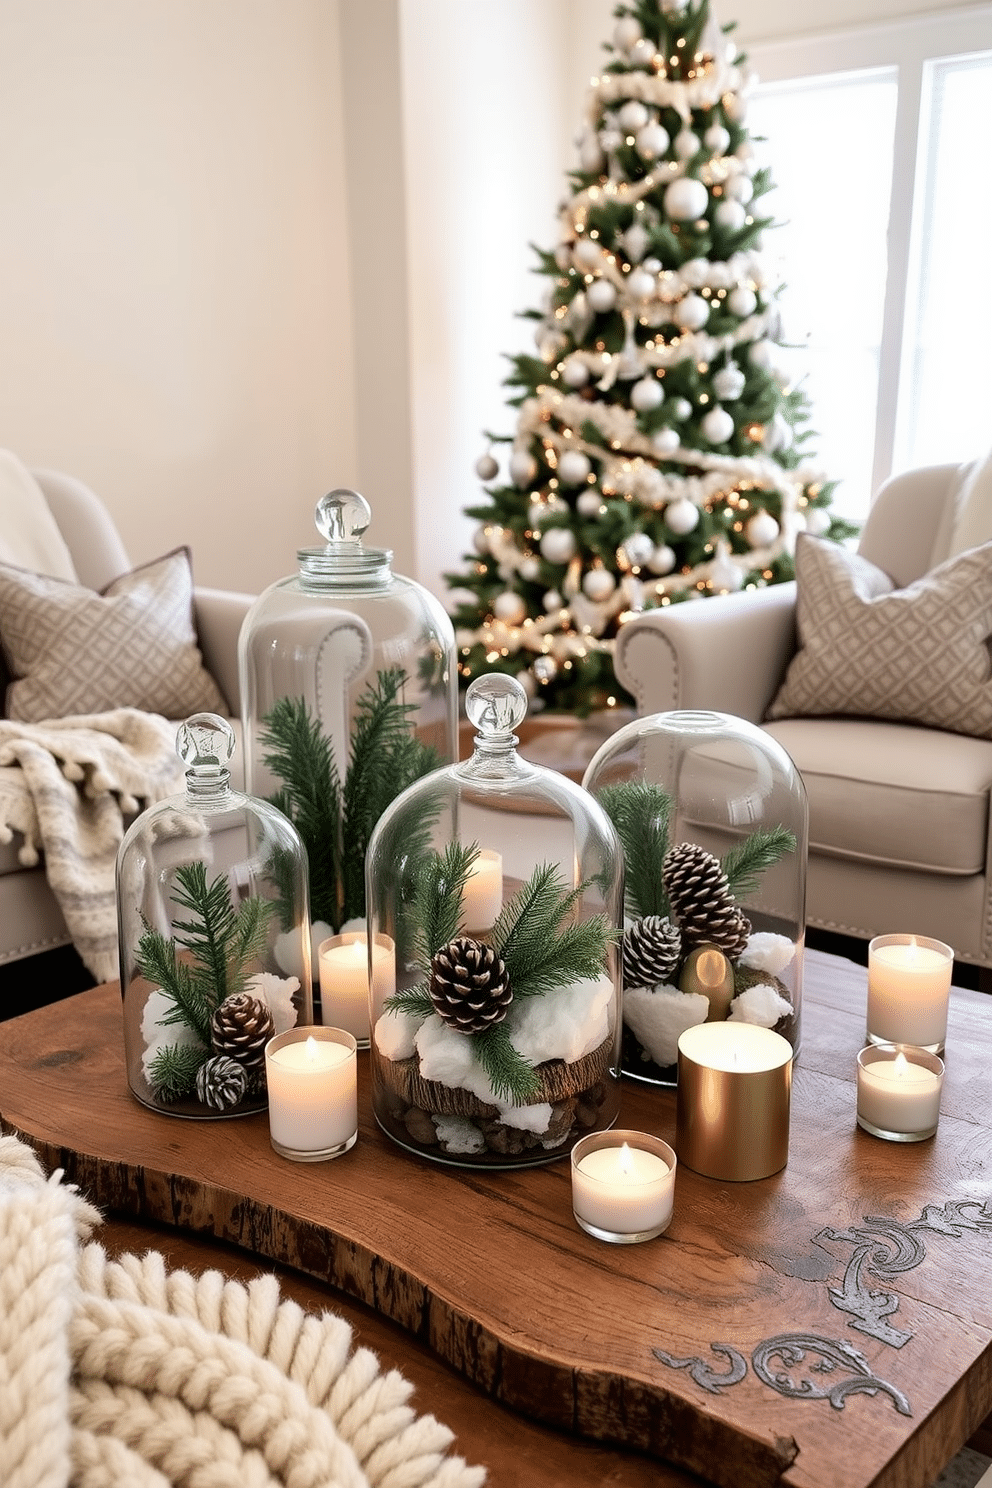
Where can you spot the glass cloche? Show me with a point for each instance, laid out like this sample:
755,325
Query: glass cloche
214,936
712,815
348,692
498,884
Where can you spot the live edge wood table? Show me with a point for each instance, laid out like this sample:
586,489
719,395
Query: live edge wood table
831,1325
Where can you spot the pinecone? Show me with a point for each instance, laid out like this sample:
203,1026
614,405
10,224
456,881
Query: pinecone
240,1028
701,900
469,987
651,951
221,1082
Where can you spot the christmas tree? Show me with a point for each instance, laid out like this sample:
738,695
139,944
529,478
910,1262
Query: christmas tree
659,447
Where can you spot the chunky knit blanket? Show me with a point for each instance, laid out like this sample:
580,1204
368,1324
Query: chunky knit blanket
122,1372
67,785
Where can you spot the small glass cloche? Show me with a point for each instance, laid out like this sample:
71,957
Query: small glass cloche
498,884
712,815
214,936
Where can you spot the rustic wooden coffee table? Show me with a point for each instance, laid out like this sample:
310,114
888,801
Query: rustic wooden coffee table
828,1326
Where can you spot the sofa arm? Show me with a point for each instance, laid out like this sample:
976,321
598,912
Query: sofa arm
219,614
728,653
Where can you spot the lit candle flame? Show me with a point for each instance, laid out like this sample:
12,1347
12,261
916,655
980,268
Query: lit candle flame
625,1162
311,1047
360,948
901,1066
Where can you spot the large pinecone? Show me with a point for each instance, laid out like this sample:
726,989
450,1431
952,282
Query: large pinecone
221,1082
470,987
651,951
240,1028
701,900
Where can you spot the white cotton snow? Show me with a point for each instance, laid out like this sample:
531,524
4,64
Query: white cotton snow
657,1018
395,1035
761,1005
277,994
459,1135
768,952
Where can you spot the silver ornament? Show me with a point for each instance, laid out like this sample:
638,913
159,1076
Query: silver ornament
487,467
666,441
686,199
681,516
509,607
647,394
717,425
730,214
691,313
523,467
662,559
638,548
558,545
545,668
729,382
742,301
761,529
573,467
633,116
651,141
686,144
598,584
552,601
588,503
601,296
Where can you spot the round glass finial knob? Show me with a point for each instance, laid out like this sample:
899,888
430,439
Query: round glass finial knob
342,515
496,704
205,744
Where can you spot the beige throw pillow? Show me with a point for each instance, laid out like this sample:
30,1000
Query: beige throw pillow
71,650
919,654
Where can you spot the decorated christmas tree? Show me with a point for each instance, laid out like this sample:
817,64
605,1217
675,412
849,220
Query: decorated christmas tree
659,453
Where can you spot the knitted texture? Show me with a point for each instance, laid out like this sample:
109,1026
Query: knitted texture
115,1372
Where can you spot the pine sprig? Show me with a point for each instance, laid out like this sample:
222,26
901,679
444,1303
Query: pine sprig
172,1073
415,1000
575,954
745,863
641,813
437,902
157,960
510,1075
299,754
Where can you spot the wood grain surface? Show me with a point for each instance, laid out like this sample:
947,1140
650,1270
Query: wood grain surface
490,1272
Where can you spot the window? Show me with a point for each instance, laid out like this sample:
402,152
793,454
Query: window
875,140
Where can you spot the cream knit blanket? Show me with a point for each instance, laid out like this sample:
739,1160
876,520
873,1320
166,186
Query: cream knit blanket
66,785
117,1373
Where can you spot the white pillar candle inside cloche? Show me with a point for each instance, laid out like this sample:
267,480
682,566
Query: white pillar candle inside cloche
344,979
482,896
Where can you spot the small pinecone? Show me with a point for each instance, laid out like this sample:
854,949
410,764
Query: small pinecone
651,951
701,901
221,1082
470,987
240,1028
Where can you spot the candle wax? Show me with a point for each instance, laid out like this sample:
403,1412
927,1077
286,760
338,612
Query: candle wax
897,1095
623,1190
313,1094
908,991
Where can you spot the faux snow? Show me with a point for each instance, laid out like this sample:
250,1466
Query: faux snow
768,952
536,1118
395,1033
566,1023
286,948
657,1018
277,994
456,1134
156,1036
761,1005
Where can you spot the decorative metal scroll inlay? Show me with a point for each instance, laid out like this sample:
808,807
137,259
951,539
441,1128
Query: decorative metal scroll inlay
799,1365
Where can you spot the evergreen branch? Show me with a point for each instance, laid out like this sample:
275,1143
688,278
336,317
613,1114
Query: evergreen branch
509,1073
248,939
524,922
207,937
301,757
641,813
577,953
157,961
439,882
173,1071
415,1000
745,863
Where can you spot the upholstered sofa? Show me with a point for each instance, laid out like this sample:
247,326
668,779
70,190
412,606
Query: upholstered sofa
899,821
30,918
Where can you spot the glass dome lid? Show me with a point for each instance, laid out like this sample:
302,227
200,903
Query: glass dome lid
498,884
342,517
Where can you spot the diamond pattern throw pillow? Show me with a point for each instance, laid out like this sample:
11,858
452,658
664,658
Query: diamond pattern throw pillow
919,654
70,650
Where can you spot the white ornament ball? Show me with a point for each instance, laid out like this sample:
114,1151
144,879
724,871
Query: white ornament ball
647,394
635,241
642,53
558,545
652,141
601,296
598,584
686,199
691,313
527,681
662,560
641,284
523,467
552,601
730,214
739,188
610,139
717,425
716,139
573,467
633,116
574,373
626,31
729,382
686,144
681,516
590,153
545,668
742,301
649,486
480,542
587,255
510,607
817,520
530,569
761,529
537,514
487,467
588,503
680,408
760,354
638,548
666,441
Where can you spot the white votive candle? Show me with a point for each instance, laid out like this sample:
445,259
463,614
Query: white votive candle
344,979
909,985
312,1078
623,1185
899,1092
482,896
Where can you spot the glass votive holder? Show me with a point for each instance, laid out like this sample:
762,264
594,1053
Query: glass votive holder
734,1099
343,961
899,1089
623,1186
909,987
312,1078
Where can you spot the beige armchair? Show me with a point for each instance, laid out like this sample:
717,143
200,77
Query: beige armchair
30,919
899,820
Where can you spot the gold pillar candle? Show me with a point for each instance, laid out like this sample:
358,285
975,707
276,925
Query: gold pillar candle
708,971
734,1091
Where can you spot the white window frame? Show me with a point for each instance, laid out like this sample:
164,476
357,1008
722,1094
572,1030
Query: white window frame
906,45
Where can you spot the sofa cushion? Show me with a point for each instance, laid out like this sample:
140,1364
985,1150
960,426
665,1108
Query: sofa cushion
73,651
892,794
870,650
